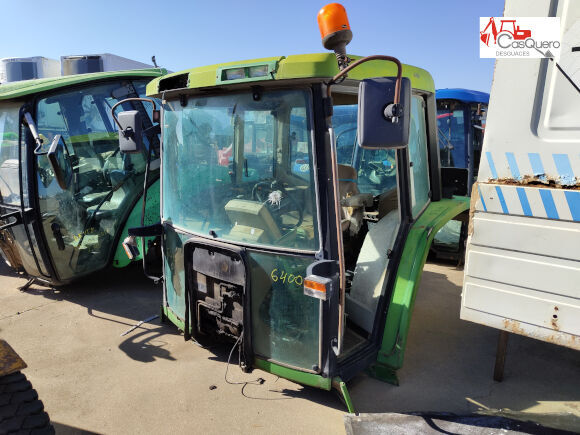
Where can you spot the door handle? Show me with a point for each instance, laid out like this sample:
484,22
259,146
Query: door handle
57,235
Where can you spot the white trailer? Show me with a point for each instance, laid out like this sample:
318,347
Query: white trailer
13,69
88,63
522,269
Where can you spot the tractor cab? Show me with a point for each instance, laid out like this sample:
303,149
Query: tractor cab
66,192
299,196
461,115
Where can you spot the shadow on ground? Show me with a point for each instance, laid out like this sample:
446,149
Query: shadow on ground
118,292
148,345
448,363
64,429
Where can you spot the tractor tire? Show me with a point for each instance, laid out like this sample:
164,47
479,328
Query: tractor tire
21,411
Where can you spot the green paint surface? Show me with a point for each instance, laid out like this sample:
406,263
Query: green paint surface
408,277
174,318
340,385
304,66
303,378
152,215
29,87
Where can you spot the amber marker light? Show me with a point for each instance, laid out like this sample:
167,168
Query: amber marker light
316,286
335,31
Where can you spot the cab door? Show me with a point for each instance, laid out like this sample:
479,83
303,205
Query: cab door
81,221
18,238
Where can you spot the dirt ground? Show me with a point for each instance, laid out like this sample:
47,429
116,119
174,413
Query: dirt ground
91,379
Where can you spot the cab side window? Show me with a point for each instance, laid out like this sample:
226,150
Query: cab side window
9,178
298,140
420,186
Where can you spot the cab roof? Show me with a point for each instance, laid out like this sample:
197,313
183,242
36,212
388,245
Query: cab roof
465,95
304,66
28,87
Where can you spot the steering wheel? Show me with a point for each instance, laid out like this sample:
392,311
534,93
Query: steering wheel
262,192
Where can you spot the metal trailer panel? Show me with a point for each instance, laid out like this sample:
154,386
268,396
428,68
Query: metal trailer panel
522,275
555,276
517,279
522,259
542,237
551,313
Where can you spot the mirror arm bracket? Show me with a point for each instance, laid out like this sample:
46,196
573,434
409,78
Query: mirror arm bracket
155,111
395,107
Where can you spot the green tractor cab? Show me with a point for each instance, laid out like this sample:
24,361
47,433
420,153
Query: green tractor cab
298,204
67,195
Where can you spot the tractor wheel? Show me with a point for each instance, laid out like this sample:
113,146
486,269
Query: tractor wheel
20,409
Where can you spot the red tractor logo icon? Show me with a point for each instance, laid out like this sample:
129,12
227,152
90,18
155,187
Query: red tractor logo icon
507,26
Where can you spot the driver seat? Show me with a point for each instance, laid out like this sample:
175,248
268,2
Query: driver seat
352,201
252,221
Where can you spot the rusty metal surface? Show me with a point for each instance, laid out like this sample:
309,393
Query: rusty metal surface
10,251
542,180
10,362
472,202
561,339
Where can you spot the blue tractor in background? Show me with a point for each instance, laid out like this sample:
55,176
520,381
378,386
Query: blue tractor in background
461,115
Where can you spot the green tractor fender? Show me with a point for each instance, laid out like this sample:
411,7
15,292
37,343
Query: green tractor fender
408,277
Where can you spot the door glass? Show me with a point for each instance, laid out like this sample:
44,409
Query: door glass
10,188
9,178
173,270
420,186
285,322
16,243
81,222
344,122
370,222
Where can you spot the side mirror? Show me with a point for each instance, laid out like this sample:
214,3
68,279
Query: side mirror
130,134
379,126
60,162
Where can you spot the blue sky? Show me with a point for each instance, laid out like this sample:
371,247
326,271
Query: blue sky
440,36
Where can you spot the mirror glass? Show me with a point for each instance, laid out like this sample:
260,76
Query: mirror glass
376,130
60,162
130,137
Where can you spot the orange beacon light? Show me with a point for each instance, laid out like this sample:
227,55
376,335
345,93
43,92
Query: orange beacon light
335,31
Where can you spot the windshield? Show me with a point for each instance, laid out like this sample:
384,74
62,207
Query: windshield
238,167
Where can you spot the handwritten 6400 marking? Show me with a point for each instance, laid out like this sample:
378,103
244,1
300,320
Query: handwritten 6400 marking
286,278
